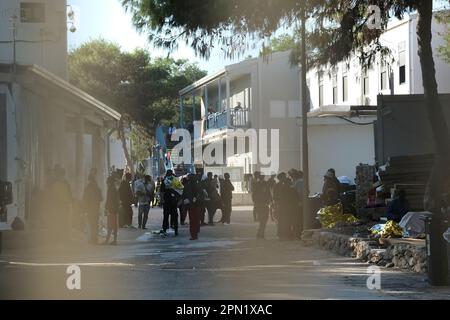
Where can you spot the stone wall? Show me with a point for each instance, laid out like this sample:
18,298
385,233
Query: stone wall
390,253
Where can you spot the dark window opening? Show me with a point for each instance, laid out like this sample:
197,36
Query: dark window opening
402,74
32,12
402,62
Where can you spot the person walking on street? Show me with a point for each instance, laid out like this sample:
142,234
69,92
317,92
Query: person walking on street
144,190
112,210
226,190
91,199
192,200
126,201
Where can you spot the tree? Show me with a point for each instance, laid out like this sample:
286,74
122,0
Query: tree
143,90
339,31
444,50
285,42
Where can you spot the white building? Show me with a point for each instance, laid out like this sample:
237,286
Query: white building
267,90
41,34
333,92
44,120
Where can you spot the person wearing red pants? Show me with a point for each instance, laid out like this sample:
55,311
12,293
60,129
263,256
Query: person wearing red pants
192,200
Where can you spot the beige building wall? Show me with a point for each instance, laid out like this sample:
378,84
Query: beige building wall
46,40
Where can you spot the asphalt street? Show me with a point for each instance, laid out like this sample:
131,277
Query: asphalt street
227,262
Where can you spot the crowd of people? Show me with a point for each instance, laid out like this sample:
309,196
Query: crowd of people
279,197
194,196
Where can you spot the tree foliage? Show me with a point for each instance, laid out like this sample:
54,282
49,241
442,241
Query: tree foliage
145,90
340,26
444,50
284,42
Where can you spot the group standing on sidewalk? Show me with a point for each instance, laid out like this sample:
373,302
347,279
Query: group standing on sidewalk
193,197
282,198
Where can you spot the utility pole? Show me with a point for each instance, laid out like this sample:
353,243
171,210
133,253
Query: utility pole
307,220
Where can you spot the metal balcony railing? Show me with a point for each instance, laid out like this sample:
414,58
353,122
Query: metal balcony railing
239,119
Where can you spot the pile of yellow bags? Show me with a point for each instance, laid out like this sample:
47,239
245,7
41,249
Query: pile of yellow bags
331,215
390,230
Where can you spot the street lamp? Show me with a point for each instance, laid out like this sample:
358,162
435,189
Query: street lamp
71,19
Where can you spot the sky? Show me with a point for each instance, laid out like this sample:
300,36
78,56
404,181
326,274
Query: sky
108,19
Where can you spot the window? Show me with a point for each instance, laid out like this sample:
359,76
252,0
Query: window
32,12
402,62
384,77
344,88
366,89
320,89
335,88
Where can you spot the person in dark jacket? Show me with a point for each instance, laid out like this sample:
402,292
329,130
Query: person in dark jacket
170,206
112,210
126,201
262,200
226,190
282,194
91,199
214,198
193,197
331,189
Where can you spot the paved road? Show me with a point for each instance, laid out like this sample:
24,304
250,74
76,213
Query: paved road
226,263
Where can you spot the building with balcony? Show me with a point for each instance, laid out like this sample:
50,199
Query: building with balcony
257,93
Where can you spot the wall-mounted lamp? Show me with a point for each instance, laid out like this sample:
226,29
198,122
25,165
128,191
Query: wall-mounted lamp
71,19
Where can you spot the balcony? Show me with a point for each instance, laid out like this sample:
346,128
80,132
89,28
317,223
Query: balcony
239,118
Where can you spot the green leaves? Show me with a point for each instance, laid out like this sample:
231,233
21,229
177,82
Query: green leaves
443,18
145,90
336,28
